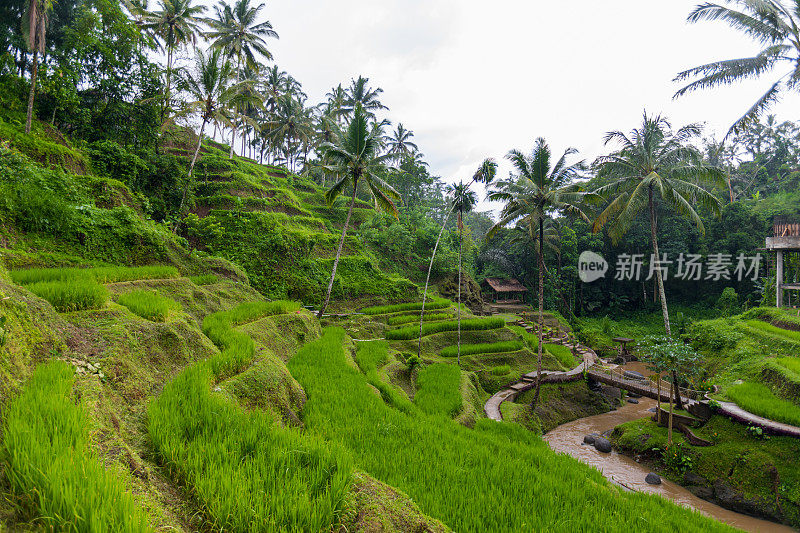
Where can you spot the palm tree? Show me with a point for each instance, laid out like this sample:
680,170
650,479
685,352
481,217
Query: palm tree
211,96
354,157
337,97
536,190
400,144
34,29
360,93
484,174
236,31
176,23
463,201
652,162
773,26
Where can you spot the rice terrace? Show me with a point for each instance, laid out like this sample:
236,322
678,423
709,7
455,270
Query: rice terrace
399,267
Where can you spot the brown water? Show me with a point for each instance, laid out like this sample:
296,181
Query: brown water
568,439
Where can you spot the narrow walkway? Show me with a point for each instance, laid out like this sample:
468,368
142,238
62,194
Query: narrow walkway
528,381
638,386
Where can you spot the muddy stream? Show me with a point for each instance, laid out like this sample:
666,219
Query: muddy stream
568,438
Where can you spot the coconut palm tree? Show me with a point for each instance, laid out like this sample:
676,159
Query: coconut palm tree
211,95
360,93
34,30
464,200
355,158
485,174
537,190
236,30
337,97
655,163
400,144
176,23
775,27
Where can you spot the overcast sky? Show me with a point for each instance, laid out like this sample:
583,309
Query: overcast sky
474,79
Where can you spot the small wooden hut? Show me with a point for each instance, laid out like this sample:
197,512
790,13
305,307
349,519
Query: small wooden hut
504,291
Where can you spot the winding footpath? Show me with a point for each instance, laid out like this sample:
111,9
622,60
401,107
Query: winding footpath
644,388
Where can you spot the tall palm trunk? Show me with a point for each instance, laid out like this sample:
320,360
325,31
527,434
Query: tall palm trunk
169,85
191,169
460,245
427,280
660,284
541,314
233,122
34,74
339,251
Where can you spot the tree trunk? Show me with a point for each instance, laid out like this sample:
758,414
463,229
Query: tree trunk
669,423
541,314
660,283
427,280
32,93
169,85
339,251
233,122
460,242
658,396
191,168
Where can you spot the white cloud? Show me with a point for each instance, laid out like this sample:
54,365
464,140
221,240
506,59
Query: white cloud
474,79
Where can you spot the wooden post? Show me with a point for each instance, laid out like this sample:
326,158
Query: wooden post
779,280
669,424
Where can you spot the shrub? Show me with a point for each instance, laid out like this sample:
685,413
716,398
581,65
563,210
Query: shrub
204,279
72,294
439,390
472,349
728,302
48,460
759,400
149,305
472,324
412,306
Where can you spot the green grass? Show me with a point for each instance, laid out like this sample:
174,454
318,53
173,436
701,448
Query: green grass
205,279
792,364
71,294
100,274
501,370
531,339
443,465
49,464
413,306
245,472
369,357
149,305
563,354
774,330
759,400
489,347
407,319
472,324
439,390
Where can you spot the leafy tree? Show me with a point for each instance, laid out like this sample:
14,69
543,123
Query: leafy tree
360,93
400,144
484,174
773,26
176,23
211,94
236,30
655,163
537,189
34,29
668,354
354,157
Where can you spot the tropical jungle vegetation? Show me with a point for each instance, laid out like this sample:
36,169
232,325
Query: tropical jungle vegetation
227,306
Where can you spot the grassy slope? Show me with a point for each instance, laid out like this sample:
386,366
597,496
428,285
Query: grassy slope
442,465
764,471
